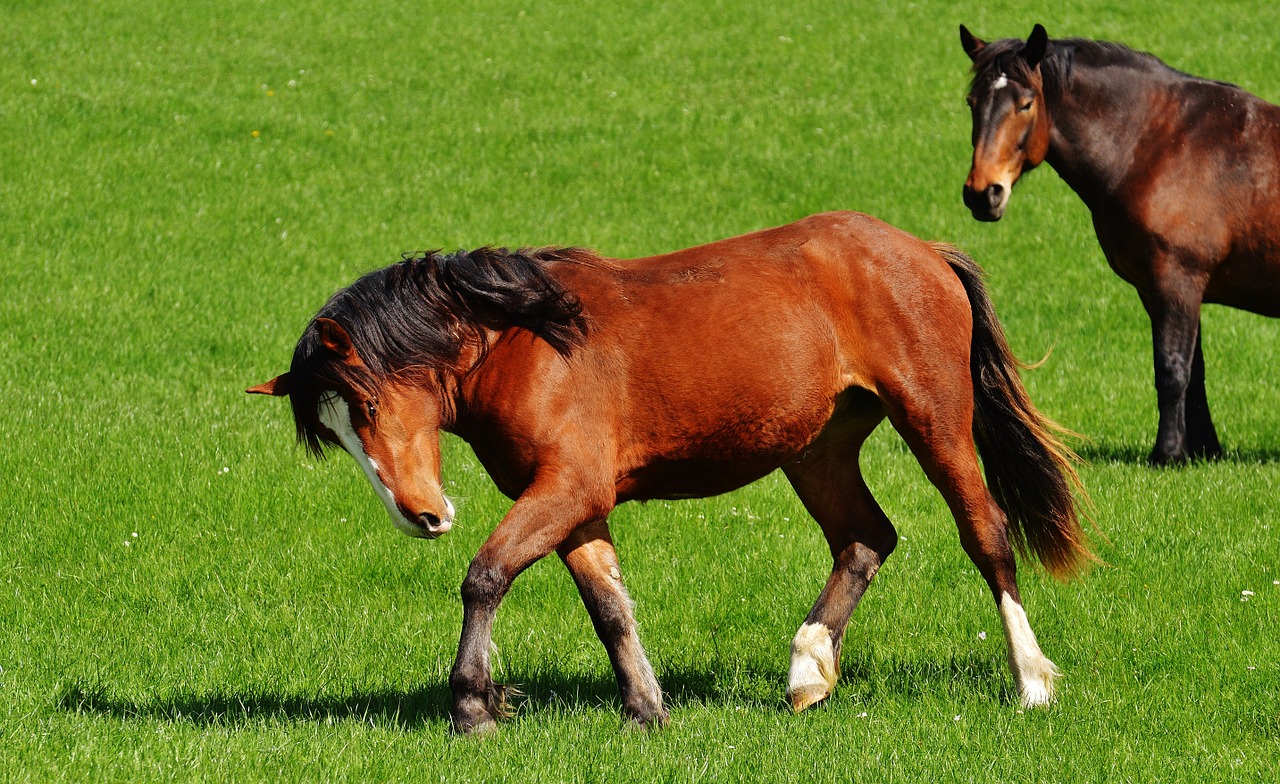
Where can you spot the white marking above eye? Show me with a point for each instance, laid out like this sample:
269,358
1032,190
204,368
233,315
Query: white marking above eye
1000,83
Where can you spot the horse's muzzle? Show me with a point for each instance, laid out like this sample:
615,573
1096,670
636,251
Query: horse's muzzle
987,204
434,526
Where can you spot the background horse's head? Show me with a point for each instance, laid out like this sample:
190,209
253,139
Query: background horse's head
375,372
1010,120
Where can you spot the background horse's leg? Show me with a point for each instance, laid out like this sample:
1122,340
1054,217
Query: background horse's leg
544,516
591,559
829,482
942,441
1175,333
1202,437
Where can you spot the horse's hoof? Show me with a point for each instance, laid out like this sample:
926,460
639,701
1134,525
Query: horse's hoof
1208,454
813,667
1159,459
806,697
655,721
480,729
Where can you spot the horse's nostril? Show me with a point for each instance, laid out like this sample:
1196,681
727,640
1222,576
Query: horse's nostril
429,521
995,193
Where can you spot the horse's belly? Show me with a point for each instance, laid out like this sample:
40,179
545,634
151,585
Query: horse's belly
1251,283
694,478
668,462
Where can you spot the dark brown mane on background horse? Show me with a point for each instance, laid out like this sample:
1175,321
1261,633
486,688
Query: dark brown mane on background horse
1180,174
583,382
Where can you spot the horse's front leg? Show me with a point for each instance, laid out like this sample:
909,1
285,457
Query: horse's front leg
591,559
1175,333
542,518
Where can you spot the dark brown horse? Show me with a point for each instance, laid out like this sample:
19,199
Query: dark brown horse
1181,174
583,382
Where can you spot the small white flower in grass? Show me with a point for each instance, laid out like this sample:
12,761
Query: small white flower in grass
1275,582
1244,595
862,715
982,635
957,718
134,534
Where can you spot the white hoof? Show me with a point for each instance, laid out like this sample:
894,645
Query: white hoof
813,671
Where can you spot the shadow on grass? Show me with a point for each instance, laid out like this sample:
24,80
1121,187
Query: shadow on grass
536,692
222,708
865,677
1136,454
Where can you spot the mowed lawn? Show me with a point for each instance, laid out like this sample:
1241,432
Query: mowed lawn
186,595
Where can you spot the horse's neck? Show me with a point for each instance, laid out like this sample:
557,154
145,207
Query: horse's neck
1098,124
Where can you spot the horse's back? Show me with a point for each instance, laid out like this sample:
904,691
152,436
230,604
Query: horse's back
809,299
1209,189
740,351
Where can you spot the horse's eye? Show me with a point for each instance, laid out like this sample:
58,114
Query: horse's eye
1026,107
370,408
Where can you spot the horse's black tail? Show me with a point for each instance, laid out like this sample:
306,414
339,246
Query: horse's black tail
1030,471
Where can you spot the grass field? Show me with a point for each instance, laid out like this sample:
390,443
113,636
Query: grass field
184,595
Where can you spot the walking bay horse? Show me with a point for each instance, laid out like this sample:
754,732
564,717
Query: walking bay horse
1181,174
582,382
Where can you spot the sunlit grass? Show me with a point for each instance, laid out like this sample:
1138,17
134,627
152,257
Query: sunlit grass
184,185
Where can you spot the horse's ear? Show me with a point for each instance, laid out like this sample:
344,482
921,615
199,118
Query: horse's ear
1037,42
335,338
276,387
972,44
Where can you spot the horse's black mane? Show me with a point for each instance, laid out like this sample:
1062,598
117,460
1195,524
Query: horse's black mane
416,317
1060,57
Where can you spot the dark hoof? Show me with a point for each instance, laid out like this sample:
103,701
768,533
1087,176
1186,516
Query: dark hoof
1210,454
479,715
478,728
1159,459
648,721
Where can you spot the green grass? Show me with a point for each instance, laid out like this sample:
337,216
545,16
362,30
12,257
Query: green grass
184,184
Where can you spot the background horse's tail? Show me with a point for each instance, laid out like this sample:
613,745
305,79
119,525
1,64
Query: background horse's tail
1030,471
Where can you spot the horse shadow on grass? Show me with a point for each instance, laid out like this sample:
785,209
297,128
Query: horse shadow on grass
1137,454
533,693
865,678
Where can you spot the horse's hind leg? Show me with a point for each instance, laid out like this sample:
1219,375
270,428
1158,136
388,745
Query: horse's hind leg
1202,437
828,480
939,433
591,559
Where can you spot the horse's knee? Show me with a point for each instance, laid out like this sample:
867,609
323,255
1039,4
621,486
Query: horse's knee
485,584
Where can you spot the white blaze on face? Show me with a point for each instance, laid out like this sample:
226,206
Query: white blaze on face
335,415
1000,83
1033,673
